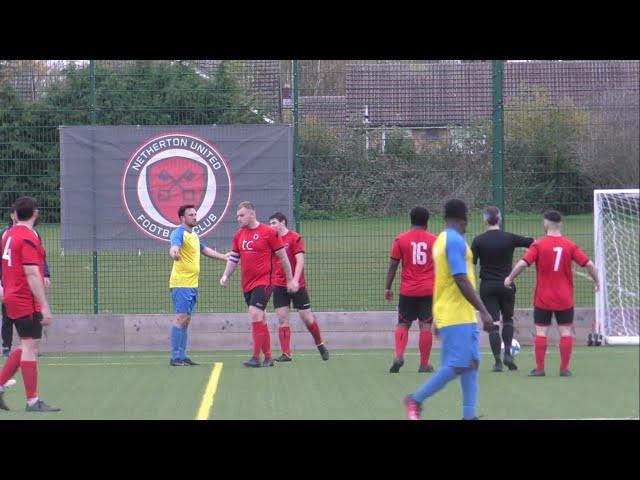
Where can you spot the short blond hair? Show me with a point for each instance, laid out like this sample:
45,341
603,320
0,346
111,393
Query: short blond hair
247,205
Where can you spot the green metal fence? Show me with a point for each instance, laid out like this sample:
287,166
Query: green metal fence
371,138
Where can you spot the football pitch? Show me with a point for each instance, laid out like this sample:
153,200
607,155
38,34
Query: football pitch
352,385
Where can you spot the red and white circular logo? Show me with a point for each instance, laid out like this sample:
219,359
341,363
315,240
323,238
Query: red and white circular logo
171,170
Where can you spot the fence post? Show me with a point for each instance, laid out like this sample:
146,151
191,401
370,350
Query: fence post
297,168
498,137
92,97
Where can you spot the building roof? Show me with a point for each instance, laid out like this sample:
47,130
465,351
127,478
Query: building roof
437,94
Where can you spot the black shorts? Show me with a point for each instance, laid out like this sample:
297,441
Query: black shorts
543,317
29,326
498,299
410,308
258,297
283,298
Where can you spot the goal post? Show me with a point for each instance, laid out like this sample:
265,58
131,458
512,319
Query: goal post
616,244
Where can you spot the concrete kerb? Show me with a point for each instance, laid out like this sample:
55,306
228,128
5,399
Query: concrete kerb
232,331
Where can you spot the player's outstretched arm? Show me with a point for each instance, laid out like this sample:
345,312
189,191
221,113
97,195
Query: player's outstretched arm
593,273
518,241
232,263
517,270
391,275
212,253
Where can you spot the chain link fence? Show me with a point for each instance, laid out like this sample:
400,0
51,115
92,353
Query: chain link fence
373,139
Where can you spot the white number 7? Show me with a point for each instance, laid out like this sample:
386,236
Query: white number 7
6,255
558,251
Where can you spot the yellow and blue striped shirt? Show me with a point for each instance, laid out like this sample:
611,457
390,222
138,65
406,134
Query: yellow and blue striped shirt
186,271
451,256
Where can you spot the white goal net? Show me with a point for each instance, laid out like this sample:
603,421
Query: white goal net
617,231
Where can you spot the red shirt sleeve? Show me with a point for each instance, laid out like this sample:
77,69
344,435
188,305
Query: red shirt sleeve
532,253
396,254
580,257
298,247
29,251
274,241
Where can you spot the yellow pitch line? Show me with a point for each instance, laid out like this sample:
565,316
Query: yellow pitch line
210,391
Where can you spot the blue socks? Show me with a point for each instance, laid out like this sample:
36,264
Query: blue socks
179,342
176,338
469,382
183,342
443,376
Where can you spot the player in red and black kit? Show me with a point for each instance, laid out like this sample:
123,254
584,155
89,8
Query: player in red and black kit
553,255
413,249
23,295
7,325
252,246
294,246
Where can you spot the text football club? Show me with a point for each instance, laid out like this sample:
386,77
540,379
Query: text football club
171,170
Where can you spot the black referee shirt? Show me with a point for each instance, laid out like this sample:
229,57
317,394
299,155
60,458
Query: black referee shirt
494,249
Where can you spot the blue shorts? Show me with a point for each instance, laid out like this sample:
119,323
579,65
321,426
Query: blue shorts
184,299
460,345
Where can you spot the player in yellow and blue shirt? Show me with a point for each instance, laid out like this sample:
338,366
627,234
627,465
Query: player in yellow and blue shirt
454,311
185,251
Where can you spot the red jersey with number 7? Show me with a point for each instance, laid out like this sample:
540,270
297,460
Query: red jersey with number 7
20,246
553,257
413,248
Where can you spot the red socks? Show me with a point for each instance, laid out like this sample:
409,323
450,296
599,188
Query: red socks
30,378
402,337
540,347
566,346
266,341
258,335
284,333
315,333
426,340
11,367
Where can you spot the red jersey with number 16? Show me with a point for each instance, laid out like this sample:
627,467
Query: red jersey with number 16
293,244
20,246
554,275
255,246
413,248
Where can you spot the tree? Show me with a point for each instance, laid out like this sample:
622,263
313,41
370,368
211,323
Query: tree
541,161
131,93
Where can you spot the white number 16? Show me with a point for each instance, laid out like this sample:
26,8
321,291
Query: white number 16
419,253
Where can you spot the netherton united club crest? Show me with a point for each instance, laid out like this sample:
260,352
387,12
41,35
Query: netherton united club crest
171,170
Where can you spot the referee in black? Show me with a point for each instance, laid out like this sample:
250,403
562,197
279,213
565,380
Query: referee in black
494,248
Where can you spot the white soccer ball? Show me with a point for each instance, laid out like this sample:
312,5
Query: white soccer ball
10,383
515,347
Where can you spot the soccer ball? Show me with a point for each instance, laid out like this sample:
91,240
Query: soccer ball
515,347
